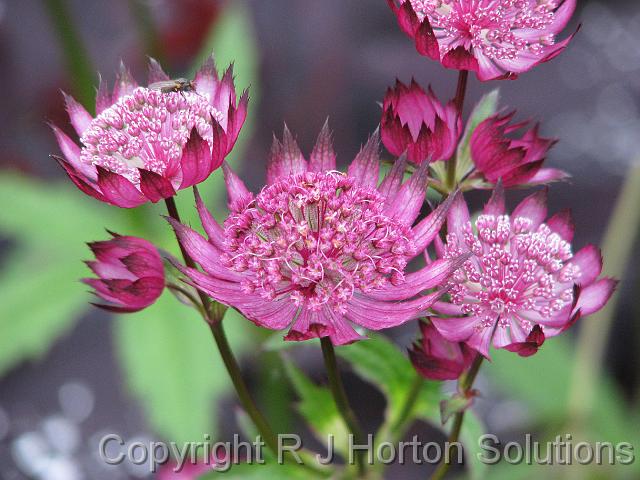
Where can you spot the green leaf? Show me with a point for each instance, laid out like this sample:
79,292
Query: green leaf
173,367
40,293
472,430
380,362
268,471
317,407
487,106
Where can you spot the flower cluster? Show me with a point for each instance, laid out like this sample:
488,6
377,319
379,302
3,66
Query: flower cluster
494,38
318,249
146,143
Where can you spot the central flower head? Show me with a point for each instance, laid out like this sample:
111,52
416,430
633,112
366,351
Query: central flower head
147,129
317,238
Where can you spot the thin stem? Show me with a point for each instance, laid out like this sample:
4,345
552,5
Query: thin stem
340,397
77,59
461,91
213,314
464,387
408,407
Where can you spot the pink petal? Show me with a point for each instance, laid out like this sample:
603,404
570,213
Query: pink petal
458,217
125,84
156,74
460,59
237,194
496,205
562,224
80,118
71,152
285,159
118,190
323,157
429,227
534,207
196,162
406,205
365,167
455,329
546,175
595,296
206,78
214,231
392,181
589,260
155,187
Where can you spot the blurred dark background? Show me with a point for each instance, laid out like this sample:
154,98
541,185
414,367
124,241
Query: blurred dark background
317,59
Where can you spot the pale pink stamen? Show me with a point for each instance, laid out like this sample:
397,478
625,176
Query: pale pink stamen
147,129
317,238
500,29
514,272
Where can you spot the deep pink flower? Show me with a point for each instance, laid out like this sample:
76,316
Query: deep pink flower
415,122
494,38
317,249
436,358
145,144
522,274
514,161
130,273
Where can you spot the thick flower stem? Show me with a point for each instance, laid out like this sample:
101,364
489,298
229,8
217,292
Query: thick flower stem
340,397
214,314
461,92
464,387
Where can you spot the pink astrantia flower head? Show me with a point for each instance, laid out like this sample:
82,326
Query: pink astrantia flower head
522,283
515,161
130,273
147,143
436,358
415,122
317,249
494,38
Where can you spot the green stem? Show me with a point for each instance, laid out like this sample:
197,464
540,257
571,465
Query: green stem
213,315
461,91
592,341
340,397
397,429
464,386
80,70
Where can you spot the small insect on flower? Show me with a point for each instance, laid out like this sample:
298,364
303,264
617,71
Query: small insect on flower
178,85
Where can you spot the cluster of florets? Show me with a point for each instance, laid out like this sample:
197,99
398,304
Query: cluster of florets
501,29
515,271
318,238
147,129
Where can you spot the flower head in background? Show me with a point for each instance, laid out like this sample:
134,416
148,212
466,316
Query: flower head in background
130,273
516,162
145,143
415,122
317,249
494,38
436,358
522,282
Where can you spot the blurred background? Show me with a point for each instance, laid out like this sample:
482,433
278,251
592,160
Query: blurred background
69,374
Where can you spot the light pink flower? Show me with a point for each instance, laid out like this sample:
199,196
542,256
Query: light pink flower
145,144
494,38
130,273
436,358
522,274
516,162
318,249
415,122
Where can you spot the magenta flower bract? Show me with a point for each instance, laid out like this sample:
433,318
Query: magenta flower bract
415,122
516,162
436,358
145,144
317,249
130,273
494,38
522,274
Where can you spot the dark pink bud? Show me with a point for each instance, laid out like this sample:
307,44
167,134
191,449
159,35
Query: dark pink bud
130,273
415,122
436,358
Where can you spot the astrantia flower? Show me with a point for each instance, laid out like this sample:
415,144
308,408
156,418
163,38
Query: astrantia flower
415,122
145,144
522,282
514,161
436,358
130,273
318,249
494,38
